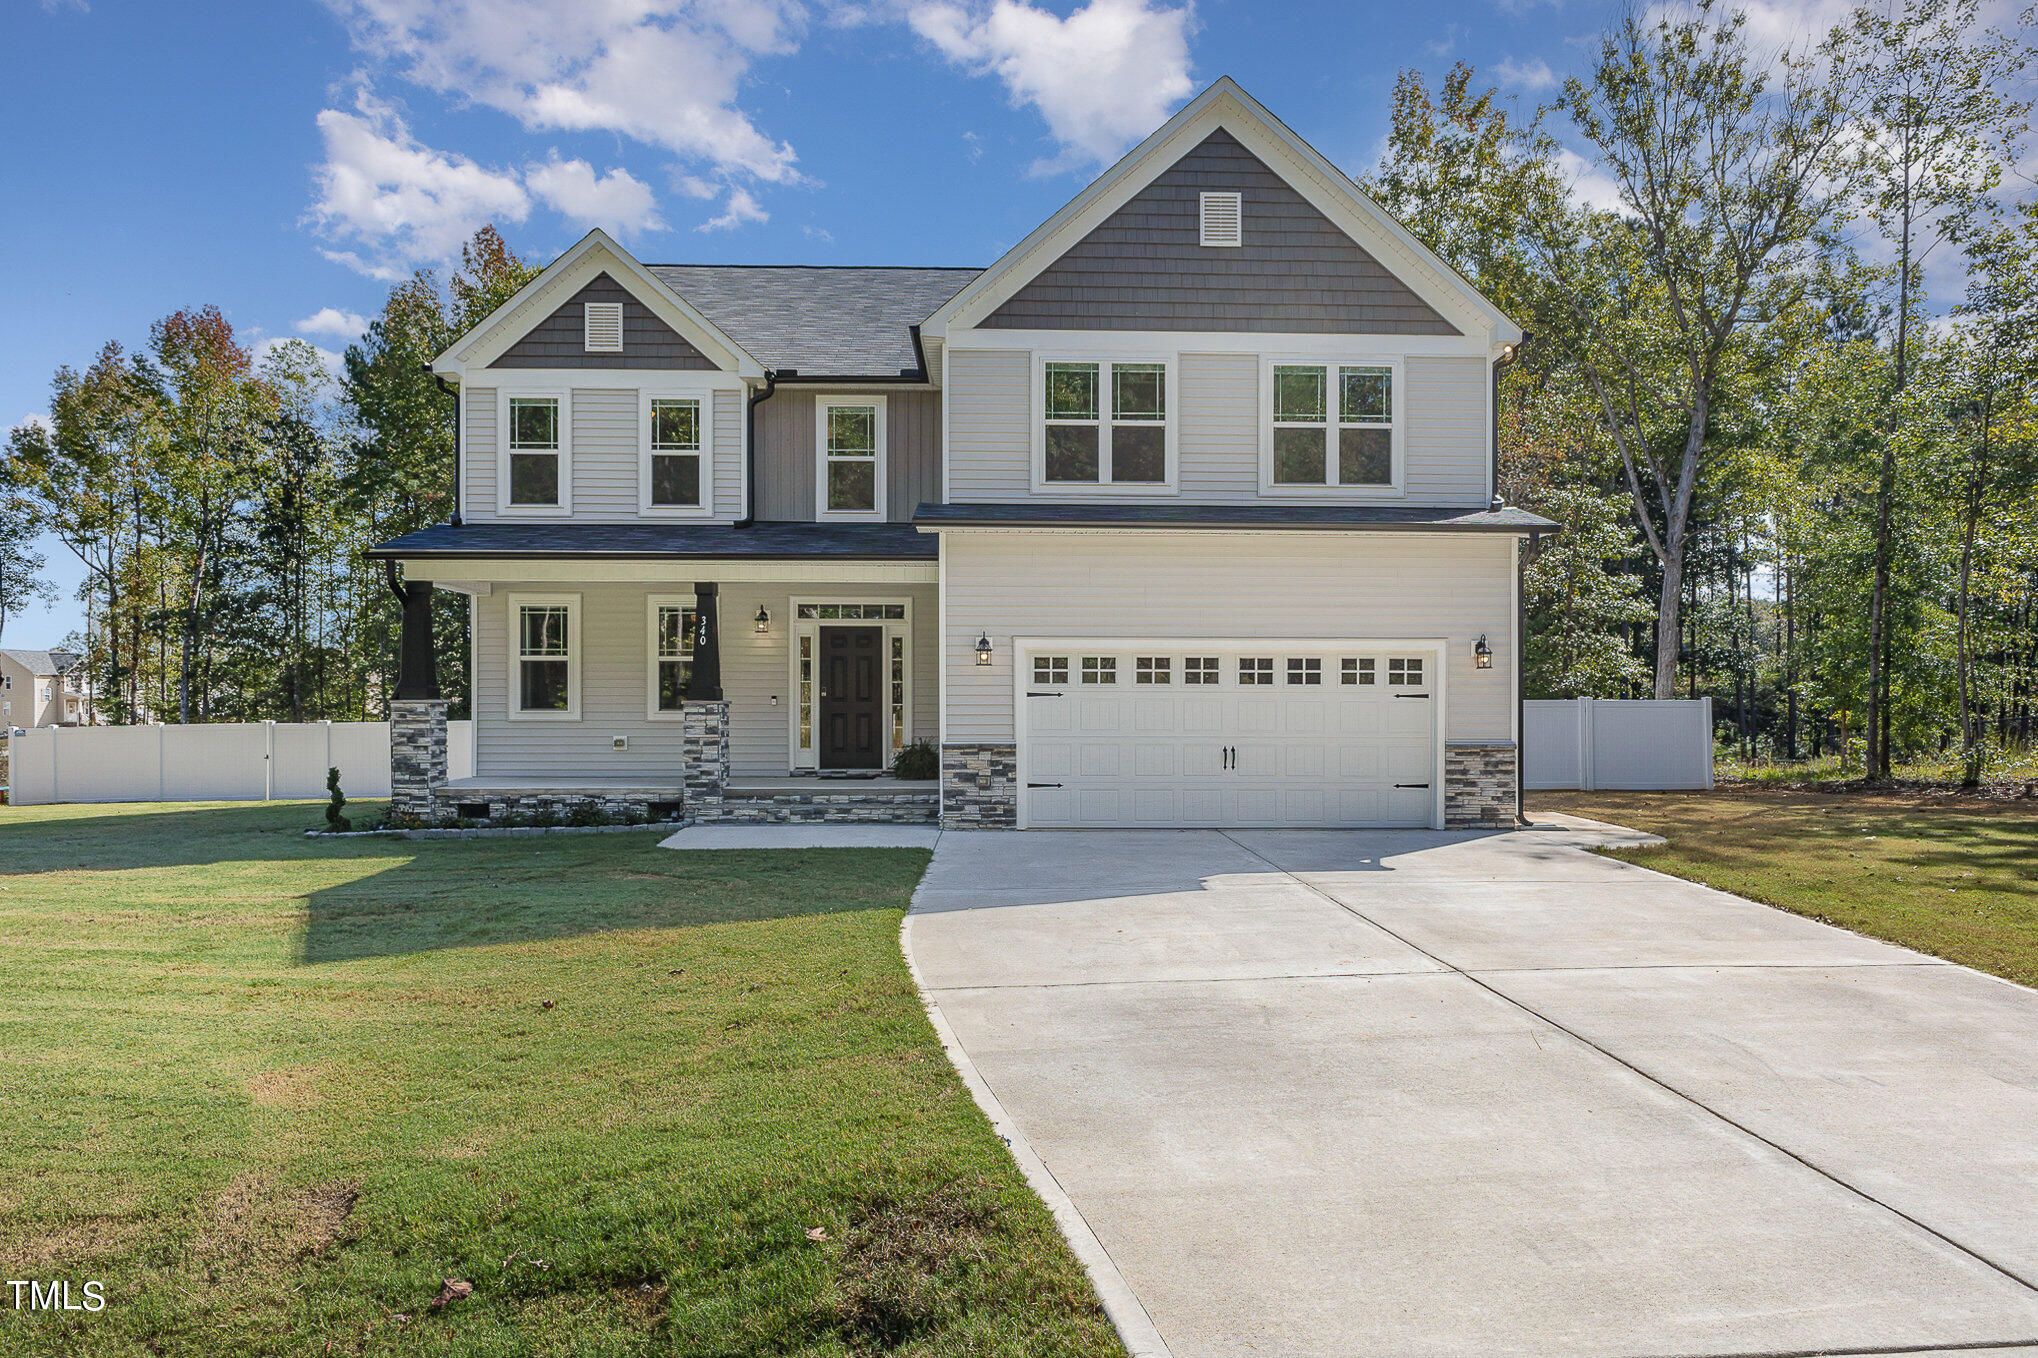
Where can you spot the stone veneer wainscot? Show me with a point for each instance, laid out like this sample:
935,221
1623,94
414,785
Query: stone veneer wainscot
1479,788
979,787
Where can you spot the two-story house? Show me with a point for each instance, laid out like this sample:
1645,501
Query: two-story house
44,688
1182,513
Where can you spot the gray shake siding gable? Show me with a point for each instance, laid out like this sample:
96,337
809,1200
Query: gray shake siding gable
1144,269
559,341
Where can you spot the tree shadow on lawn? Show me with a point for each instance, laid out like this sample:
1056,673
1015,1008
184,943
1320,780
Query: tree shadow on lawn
479,893
376,897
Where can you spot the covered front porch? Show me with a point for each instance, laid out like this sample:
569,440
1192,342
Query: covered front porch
764,686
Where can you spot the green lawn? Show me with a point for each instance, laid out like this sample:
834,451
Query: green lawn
1955,877
274,1091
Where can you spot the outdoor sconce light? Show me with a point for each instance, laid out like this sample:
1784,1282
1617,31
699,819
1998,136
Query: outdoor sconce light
1482,654
983,648
763,620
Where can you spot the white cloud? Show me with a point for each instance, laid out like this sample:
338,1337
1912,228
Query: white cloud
1533,75
1102,78
1591,185
37,419
662,72
618,201
742,207
332,321
819,233
383,190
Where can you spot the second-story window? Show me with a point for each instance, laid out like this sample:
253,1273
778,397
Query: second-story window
1333,426
850,480
675,454
535,476
1104,424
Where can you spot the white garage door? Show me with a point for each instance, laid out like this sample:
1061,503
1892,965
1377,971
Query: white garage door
1207,737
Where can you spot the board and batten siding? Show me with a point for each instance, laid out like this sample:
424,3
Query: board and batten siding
786,465
615,678
1190,585
606,434
1446,429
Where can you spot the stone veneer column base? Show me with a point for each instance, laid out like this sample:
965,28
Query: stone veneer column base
1479,790
704,758
979,787
417,757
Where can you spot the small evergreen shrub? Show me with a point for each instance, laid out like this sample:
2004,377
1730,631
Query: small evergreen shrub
917,762
335,822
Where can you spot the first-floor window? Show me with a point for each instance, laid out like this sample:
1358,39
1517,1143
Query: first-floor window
1333,425
546,655
534,452
672,648
675,454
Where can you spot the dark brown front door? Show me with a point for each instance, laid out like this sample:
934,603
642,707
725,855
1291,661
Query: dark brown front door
852,697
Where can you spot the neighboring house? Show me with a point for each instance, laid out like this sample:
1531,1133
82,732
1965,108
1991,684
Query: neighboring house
44,688
1181,513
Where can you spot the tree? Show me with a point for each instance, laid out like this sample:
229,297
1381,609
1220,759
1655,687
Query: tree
21,566
1934,131
1727,178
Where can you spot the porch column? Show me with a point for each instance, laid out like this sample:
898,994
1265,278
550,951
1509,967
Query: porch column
706,682
417,714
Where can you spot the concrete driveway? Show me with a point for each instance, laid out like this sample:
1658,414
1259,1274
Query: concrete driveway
1417,1093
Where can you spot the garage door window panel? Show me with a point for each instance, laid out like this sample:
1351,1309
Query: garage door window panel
1153,669
1254,671
1305,671
1200,669
1100,669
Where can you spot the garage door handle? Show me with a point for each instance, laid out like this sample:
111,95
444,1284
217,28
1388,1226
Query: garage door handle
1043,785
1411,785
1031,694
1411,695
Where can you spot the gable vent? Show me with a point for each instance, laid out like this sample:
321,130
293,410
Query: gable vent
1222,224
605,327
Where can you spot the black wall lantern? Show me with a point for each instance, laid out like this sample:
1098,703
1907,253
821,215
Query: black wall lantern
763,620
983,648
1482,654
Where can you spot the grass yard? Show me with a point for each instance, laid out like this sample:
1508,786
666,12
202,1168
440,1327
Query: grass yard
1954,877
273,1092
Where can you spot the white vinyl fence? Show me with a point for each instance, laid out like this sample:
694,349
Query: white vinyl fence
223,762
1620,744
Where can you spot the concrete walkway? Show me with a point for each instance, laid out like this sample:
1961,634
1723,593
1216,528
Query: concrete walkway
1414,1093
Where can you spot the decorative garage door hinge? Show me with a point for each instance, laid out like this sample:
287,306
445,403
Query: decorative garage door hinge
1032,694
1411,695
1043,785
1411,785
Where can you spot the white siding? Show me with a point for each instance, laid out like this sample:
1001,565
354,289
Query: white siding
477,432
614,678
1218,427
728,436
1371,585
990,428
604,454
1448,438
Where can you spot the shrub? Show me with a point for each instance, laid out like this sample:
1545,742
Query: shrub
917,761
336,822
588,813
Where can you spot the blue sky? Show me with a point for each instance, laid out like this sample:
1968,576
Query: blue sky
285,159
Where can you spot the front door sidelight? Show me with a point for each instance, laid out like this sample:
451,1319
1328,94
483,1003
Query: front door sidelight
851,703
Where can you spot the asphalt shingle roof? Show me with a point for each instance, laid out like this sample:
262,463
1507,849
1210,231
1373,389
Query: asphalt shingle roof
840,541
822,321
1046,514
42,662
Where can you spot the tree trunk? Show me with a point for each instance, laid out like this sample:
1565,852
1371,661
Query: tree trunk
1970,765
1669,621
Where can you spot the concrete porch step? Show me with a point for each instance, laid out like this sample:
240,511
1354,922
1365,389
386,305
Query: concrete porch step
839,801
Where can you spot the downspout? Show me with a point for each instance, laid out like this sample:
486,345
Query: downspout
1505,360
757,399
454,392
1521,557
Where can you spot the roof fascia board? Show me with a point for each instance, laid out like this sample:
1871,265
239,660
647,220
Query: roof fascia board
1327,188
593,254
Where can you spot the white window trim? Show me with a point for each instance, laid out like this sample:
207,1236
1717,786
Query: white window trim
1171,398
797,758
1333,401
1236,203
576,644
503,507
705,400
652,604
587,315
822,405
